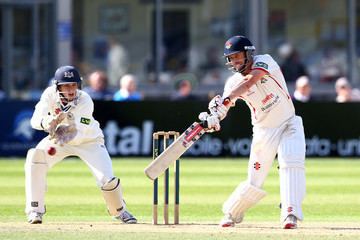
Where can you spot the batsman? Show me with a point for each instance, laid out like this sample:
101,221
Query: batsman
258,80
65,113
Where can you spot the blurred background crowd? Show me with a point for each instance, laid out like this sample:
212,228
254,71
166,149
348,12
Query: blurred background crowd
132,50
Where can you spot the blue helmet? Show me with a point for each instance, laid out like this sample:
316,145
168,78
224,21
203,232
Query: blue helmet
238,44
67,74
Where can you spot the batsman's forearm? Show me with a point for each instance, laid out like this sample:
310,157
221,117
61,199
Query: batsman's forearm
243,86
238,90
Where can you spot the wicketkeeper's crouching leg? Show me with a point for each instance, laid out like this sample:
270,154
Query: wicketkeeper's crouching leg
244,197
35,184
112,194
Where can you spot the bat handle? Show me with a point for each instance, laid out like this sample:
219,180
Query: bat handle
204,124
226,102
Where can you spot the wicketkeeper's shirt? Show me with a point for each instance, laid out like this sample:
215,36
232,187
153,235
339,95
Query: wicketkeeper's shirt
268,99
81,113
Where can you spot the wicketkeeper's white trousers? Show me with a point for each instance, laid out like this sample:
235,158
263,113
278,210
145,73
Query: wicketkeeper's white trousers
94,154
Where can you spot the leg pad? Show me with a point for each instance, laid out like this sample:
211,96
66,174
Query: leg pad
243,197
112,194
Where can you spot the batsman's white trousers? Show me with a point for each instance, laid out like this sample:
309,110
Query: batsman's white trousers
288,141
94,154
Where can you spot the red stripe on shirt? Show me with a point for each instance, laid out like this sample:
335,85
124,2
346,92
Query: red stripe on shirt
280,86
253,109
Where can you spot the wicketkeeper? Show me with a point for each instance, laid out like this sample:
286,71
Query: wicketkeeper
65,112
259,81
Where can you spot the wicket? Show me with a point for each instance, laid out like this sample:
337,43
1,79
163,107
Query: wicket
165,139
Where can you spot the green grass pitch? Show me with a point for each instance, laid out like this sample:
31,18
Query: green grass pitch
76,210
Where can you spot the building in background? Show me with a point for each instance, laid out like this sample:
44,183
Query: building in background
36,36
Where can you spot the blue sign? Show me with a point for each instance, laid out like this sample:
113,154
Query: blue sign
17,135
64,31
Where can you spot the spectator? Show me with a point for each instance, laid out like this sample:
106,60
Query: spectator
303,89
331,65
98,86
128,89
344,91
292,67
183,91
117,62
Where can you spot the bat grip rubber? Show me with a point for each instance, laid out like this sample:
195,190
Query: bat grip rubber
204,124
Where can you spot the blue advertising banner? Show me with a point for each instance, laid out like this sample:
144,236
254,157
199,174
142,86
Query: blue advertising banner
331,129
16,134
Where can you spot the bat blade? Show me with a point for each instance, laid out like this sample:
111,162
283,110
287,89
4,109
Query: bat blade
175,150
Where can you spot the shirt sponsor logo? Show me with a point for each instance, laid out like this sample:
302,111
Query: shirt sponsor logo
271,104
85,120
262,65
267,98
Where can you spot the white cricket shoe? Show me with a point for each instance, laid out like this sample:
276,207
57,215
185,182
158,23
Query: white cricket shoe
229,221
290,222
126,217
35,218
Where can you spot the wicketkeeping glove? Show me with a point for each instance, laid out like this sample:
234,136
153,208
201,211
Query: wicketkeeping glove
64,134
217,108
51,122
213,122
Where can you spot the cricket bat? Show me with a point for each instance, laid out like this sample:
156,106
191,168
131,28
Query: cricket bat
175,150
178,147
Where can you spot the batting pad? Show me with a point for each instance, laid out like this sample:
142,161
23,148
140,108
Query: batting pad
292,190
244,197
113,196
35,180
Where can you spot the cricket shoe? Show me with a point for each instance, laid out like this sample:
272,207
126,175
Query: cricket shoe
126,217
229,221
35,218
290,222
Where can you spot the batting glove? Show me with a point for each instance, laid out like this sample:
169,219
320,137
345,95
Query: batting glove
213,122
217,108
